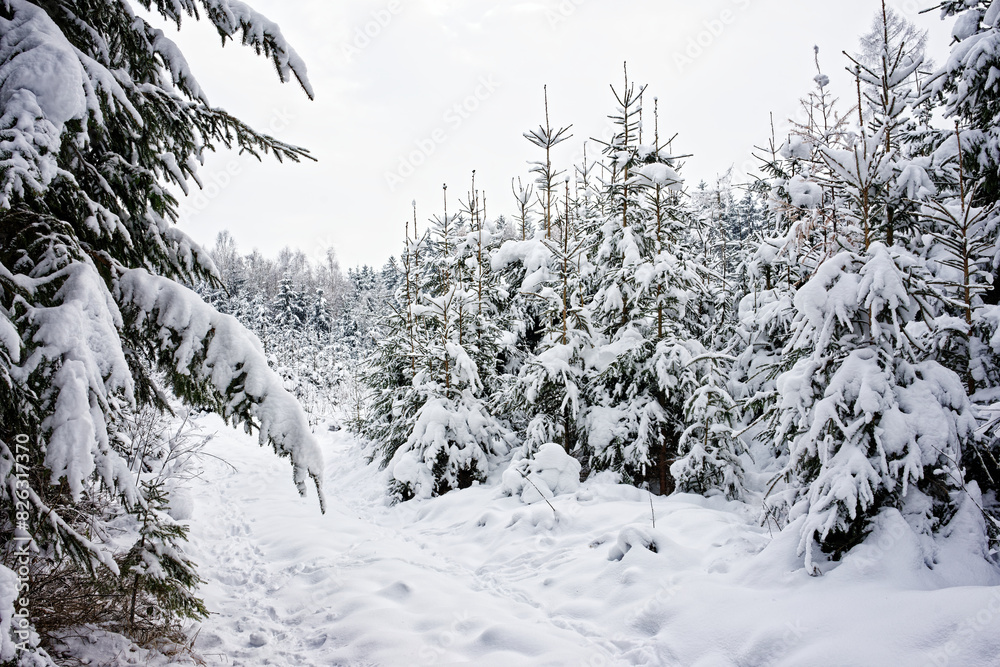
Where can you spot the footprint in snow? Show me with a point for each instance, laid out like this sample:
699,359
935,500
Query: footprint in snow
397,591
257,639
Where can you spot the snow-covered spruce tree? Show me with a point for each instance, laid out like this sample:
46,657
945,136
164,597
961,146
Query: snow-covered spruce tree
284,333
971,89
159,578
552,383
363,301
394,400
100,113
968,218
486,314
516,256
964,330
624,240
291,343
318,320
959,249
453,440
799,231
869,421
650,308
803,228
524,265
519,263
545,352
289,309
709,447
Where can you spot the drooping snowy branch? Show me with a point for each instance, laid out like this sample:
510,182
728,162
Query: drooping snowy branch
202,346
41,88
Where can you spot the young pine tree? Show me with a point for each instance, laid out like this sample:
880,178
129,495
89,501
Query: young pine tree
872,424
453,440
548,378
650,297
159,578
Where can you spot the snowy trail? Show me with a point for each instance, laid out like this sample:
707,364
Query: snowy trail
473,578
289,586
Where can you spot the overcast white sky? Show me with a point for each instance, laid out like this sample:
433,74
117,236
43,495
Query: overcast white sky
452,85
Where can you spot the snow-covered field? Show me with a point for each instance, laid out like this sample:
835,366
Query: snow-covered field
476,578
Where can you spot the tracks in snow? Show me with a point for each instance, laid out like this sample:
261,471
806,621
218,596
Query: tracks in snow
288,586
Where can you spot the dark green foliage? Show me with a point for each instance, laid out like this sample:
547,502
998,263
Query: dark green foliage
162,578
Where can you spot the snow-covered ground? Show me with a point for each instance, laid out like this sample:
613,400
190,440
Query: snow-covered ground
476,578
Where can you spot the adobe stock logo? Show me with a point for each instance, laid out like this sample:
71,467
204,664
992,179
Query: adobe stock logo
712,30
454,117
365,34
562,13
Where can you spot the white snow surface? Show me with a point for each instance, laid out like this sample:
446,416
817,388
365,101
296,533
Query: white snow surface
478,578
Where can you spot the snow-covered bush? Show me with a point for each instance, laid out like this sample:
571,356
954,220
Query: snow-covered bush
548,473
453,443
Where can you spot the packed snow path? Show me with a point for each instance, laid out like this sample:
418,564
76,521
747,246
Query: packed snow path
476,579
289,586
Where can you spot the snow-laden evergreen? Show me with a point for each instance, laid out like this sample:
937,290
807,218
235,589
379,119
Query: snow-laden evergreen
869,422
101,116
871,418
547,390
839,340
434,373
710,446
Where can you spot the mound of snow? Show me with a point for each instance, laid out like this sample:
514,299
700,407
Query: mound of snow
550,473
803,193
90,645
181,504
638,536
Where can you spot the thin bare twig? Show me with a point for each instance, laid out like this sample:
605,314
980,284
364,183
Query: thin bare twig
528,480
